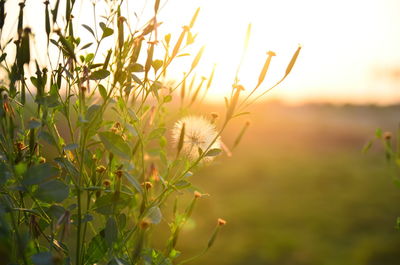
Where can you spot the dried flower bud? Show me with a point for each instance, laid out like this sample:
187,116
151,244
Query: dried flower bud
100,169
214,115
107,183
221,222
197,194
148,185
121,19
144,224
387,135
20,146
118,173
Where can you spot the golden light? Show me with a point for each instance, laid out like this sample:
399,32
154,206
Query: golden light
350,47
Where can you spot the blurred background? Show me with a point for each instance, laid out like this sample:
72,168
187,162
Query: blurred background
298,189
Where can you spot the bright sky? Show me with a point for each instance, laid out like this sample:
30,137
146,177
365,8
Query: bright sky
350,47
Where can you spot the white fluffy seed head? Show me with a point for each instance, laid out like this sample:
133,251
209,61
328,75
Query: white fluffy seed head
199,133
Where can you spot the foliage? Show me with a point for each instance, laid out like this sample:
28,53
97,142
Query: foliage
86,162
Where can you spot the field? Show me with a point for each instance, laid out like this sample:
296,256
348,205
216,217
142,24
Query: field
300,191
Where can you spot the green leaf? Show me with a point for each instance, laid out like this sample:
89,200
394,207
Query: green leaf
111,231
97,248
86,45
47,137
136,68
103,91
2,57
70,147
99,74
107,32
68,166
91,112
378,133
39,173
5,173
109,202
137,79
157,133
33,124
182,184
134,182
167,98
154,215
89,29
157,64
52,191
115,144
213,152
43,258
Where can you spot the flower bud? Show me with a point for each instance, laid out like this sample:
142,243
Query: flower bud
148,185
387,135
100,169
107,183
144,224
197,194
221,222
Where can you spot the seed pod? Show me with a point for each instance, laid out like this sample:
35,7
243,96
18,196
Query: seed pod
120,32
292,61
197,90
156,6
2,14
197,58
239,138
265,68
54,12
233,102
178,43
47,20
194,17
181,139
149,60
183,87
20,18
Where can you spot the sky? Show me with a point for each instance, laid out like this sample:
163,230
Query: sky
350,48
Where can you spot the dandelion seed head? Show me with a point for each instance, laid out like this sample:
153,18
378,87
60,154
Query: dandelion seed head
199,133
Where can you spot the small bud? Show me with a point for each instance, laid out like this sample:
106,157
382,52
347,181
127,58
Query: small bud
107,183
197,194
214,115
221,222
20,146
100,169
121,19
148,185
118,173
387,135
144,224
42,160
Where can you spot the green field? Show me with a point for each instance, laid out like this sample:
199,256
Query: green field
298,190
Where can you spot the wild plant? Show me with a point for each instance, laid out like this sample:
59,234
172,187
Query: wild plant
96,147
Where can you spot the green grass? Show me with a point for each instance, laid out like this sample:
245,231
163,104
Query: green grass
298,190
